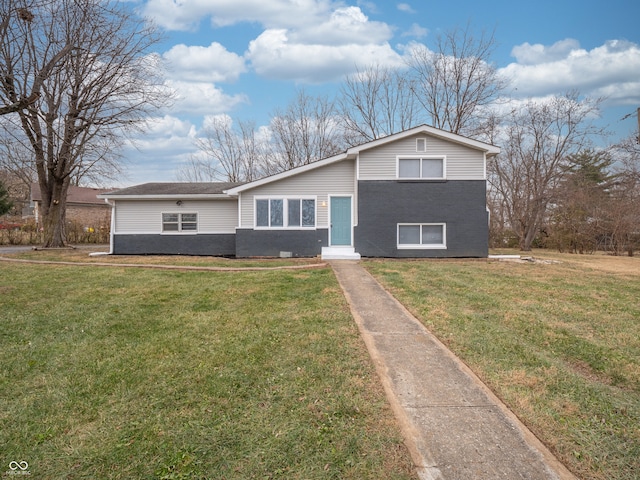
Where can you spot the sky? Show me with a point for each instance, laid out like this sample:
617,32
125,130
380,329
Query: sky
247,58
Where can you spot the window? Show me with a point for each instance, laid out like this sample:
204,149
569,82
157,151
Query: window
421,144
285,212
422,235
179,222
421,168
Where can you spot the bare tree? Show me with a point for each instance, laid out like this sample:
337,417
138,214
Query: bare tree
537,139
85,68
16,160
456,81
198,169
233,152
376,102
306,131
17,100
624,207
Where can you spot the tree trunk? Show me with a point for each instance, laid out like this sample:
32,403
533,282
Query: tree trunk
527,239
54,215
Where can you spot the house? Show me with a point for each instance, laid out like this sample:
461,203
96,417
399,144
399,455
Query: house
83,206
417,193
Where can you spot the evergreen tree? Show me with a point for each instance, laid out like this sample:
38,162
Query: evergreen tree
5,201
580,216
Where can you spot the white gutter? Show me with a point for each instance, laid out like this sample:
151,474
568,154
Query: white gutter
173,196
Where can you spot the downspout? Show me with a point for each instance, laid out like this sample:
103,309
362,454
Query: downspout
113,224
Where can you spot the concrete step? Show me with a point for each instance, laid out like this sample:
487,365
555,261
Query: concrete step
339,253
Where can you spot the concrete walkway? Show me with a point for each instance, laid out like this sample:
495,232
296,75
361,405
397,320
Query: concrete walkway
454,426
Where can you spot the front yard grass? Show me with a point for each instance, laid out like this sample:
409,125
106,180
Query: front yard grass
129,373
558,342
81,255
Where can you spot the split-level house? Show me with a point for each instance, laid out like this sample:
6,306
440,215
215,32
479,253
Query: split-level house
417,193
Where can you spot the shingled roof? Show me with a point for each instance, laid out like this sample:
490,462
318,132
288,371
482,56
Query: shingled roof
75,195
170,189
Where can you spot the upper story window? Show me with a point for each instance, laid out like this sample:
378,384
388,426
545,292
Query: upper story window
179,222
285,212
426,168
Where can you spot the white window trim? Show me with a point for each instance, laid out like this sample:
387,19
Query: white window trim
180,231
432,246
421,148
285,212
421,157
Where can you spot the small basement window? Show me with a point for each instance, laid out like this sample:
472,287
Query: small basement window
179,222
422,235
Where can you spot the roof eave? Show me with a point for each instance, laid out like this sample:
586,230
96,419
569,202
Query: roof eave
172,196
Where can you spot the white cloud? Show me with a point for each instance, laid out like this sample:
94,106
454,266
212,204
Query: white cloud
527,54
405,7
166,133
304,40
611,70
344,26
199,98
416,31
185,15
204,64
371,7
273,55
156,154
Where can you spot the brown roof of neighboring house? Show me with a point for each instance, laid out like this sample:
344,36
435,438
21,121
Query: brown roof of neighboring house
75,195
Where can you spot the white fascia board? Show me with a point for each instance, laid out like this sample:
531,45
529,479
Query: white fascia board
286,174
174,196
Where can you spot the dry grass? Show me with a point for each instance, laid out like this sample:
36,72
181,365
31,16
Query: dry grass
142,373
81,255
558,340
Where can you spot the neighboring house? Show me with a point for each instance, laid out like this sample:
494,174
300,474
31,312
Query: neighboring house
418,193
83,206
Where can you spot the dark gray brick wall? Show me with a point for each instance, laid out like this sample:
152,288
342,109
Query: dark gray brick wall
459,204
215,245
269,243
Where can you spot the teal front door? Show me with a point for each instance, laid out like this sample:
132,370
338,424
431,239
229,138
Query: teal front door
340,221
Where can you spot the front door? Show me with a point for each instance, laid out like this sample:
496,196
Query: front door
340,221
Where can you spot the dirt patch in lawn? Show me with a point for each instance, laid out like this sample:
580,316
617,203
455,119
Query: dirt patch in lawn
609,263
604,262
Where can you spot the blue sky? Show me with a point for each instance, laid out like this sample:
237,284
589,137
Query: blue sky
245,58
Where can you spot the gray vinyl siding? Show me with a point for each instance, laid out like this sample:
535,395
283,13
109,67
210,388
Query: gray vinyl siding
334,179
463,163
145,216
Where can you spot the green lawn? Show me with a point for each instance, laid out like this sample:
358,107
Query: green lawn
558,342
108,372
